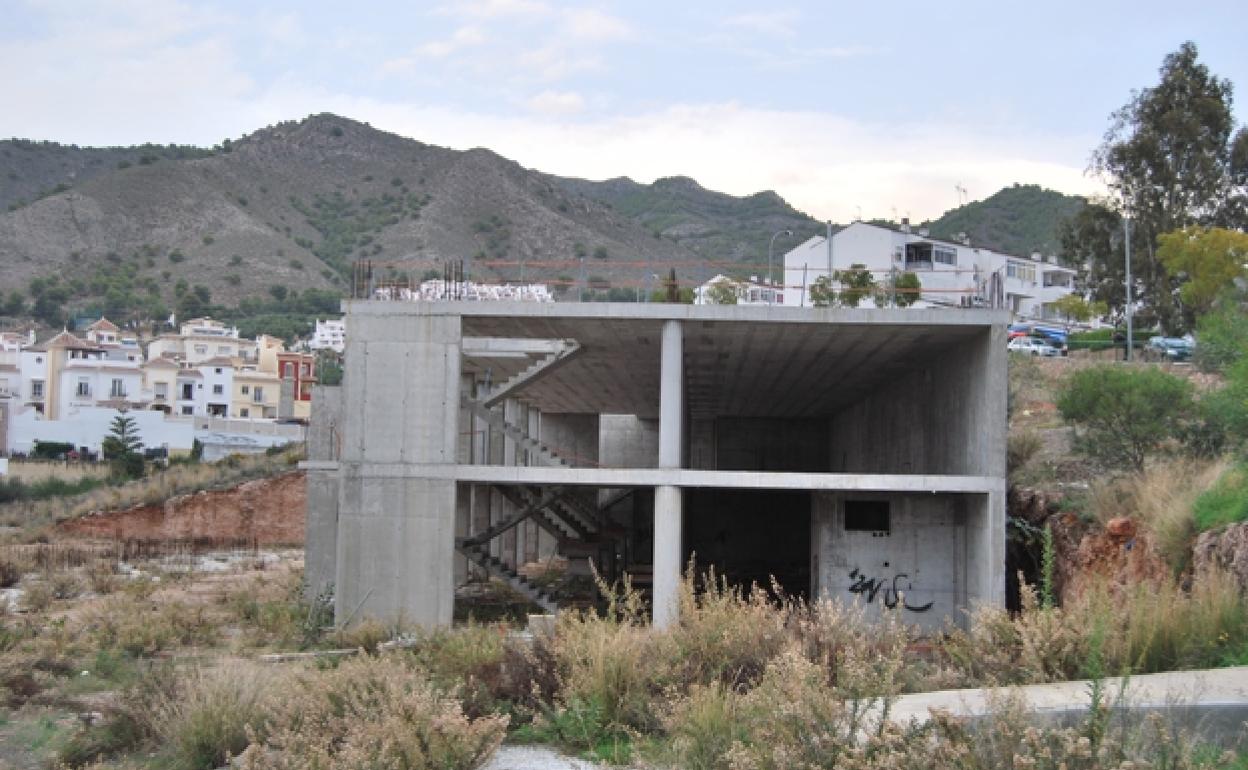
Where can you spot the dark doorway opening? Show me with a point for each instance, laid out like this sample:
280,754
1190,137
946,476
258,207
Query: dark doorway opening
751,535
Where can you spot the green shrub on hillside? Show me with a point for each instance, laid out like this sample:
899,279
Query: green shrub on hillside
1226,502
1121,415
1222,335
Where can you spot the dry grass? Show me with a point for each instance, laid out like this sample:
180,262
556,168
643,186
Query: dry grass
34,471
1162,499
369,713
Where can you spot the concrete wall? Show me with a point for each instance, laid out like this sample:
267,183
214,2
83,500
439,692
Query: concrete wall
396,531
945,415
89,426
764,444
324,444
920,566
574,437
627,441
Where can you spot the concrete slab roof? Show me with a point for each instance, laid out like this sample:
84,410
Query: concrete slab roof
739,360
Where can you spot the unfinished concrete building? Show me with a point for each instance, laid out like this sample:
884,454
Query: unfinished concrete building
848,453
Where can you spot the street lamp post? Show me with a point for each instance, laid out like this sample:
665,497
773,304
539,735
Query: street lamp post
1126,225
771,298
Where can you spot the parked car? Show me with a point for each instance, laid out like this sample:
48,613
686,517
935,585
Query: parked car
1033,346
1169,349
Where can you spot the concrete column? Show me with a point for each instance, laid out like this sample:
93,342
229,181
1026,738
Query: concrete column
668,508
324,439
396,531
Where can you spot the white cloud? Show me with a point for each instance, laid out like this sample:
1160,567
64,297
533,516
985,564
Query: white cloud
464,37
554,62
556,103
779,23
588,25
496,9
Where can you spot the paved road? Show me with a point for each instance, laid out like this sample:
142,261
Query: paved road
1213,687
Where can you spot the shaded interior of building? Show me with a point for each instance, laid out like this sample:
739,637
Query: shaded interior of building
901,400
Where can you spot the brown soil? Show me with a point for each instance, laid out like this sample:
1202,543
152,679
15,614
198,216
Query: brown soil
266,511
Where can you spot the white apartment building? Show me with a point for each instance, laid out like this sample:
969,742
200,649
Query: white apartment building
751,292
329,334
951,273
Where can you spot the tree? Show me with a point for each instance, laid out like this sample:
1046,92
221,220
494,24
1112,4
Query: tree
901,290
122,447
1075,308
1122,415
1170,158
821,292
856,284
1222,333
908,289
278,292
1205,260
15,305
722,292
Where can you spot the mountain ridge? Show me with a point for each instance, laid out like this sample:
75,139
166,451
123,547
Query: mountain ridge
284,211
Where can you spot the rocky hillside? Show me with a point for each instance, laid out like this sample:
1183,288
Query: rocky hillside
269,225
1017,220
715,225
294,204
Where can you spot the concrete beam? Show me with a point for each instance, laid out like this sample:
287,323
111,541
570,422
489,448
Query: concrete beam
686,478
504,347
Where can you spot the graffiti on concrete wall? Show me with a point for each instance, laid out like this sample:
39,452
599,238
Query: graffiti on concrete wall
891,593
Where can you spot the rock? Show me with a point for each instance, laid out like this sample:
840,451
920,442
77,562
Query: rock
1122,528
1224,549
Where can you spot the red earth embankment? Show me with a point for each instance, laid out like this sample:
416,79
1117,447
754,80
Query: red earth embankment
266,511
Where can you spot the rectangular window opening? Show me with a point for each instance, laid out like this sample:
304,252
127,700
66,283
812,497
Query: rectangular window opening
867,516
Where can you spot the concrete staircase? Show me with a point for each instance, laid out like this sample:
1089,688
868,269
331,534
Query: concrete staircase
479,554
567,351
520,436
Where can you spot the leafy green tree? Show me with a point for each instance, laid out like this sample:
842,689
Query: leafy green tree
1172,157
899,290
1075,308
15,305
1222,333
1205,260
278,292
1093,242
908,288
722,292
857,284
821,292
1124,415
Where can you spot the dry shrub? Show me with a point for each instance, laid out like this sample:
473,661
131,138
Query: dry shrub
1020,448
864,657
103,578
65,585
368,713
611,671
37,597
208,715
724,634
141,628
468,661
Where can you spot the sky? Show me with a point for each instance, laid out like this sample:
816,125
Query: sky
865,109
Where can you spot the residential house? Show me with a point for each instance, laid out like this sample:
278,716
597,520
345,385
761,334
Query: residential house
329,334
298,374
751,292
256,394
951,273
